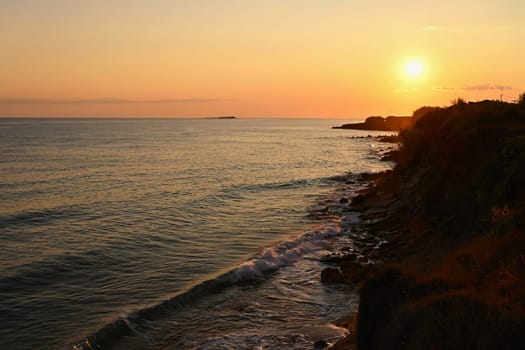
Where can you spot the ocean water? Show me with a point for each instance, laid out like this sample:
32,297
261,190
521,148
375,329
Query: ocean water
174,233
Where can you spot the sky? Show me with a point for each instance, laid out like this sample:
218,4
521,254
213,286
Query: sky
271,58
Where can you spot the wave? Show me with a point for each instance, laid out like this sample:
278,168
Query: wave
40,217
293,183
270,185
39,274
255,269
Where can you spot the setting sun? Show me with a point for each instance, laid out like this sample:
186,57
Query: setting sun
413,68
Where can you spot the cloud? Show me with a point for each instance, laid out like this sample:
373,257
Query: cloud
480,87
443,88
485,87
98,101
180,100
430,28
405,90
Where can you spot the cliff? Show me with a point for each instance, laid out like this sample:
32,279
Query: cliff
453,268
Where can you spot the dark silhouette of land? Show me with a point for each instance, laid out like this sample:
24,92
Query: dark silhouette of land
379,123
452,273
391,123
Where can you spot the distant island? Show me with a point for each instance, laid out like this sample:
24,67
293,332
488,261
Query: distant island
226,117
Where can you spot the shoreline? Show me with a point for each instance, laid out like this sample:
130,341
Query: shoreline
371,241
129,330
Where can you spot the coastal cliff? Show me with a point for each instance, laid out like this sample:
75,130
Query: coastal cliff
451,273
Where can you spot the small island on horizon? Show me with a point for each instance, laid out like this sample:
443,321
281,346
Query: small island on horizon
224,117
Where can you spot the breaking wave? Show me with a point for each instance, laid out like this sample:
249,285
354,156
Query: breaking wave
269,260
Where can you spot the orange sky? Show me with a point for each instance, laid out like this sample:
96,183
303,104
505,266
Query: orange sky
286,58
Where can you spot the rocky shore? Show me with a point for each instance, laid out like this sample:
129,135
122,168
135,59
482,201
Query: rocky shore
438,254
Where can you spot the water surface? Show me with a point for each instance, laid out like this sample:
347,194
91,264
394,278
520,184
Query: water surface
99,218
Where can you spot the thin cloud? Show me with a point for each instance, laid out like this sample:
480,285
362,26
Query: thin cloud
405,90
98,101
485,87
182,100
443,88
480,87
467,29
430,28
502,29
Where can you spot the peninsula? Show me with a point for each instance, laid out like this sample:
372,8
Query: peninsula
391,123
379,123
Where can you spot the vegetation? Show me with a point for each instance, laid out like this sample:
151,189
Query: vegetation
471,162
456,276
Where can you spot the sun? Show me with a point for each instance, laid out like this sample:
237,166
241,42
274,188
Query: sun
414,68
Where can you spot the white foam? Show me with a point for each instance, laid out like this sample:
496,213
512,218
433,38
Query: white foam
286,253
350,219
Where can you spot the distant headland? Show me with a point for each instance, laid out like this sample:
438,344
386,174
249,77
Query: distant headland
390,123
225,117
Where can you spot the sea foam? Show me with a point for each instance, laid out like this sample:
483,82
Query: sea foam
285,253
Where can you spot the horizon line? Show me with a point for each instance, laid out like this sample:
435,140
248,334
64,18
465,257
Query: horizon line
102,101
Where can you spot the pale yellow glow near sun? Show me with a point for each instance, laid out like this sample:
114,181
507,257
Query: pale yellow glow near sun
414,68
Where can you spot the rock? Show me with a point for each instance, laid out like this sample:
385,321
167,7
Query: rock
347,249
338,258
389,138
358,200
320,344
348,272
378,202
355,272
362,259
331,275
343,200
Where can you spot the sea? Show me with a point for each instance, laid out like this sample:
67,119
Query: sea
176,233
